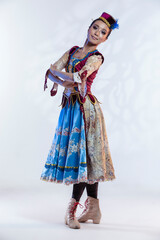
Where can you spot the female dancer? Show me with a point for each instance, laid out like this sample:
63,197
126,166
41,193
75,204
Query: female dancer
80,153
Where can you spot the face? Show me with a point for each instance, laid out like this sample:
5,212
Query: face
98,32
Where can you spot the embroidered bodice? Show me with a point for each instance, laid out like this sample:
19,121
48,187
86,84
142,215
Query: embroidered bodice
84,70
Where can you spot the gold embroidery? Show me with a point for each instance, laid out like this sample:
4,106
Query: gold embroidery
108,24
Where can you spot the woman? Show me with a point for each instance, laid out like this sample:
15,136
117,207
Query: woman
79,153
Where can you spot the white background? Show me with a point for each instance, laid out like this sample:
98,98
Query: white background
34,34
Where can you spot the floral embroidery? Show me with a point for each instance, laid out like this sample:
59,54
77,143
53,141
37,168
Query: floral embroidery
97,143
60,64
80,150
92,64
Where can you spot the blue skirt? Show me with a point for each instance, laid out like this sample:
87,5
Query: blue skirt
80,150
66,161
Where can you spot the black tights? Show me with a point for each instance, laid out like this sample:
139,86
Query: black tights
78,188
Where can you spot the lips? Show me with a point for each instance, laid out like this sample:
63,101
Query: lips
94,37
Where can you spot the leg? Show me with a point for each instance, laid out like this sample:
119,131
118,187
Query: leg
92,210
70,218
92,190
78,190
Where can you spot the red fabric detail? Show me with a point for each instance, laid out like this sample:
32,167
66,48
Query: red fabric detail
72,210
98,53
72,49
90,78
45,82
77,68
86,204
53,92
91,98
79,98
83,99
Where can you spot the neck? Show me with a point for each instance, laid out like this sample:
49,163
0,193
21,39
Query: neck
88,46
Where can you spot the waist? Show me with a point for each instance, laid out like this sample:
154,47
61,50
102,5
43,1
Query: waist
69,91
76,96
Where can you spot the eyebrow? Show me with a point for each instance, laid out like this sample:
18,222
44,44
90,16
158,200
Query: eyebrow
102,28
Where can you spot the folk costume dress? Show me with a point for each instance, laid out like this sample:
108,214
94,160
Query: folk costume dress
79,151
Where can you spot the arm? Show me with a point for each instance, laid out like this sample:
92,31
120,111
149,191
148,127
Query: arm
59,81
92,64
65,75
59,65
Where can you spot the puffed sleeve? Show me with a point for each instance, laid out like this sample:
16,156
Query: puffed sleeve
92,64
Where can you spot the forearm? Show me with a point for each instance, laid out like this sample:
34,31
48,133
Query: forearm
67,83
64,75
54,78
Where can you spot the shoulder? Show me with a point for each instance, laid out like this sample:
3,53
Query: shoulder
96,57
99,55
72,49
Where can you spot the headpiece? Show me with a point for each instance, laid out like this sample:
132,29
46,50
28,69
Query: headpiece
109,20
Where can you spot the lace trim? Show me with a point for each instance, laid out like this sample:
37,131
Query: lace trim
76,77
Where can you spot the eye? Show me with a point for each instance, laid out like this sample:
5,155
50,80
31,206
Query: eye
94,27
103,33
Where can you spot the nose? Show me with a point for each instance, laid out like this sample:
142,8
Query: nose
97,32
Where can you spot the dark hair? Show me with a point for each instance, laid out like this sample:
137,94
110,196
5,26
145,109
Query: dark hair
102,21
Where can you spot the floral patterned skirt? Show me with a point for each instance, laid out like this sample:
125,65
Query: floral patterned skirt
79,151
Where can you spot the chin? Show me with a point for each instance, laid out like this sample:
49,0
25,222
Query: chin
92,41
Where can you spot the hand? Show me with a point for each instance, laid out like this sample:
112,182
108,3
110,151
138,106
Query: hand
53,67
68,84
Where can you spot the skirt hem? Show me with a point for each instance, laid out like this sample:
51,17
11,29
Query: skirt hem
77,181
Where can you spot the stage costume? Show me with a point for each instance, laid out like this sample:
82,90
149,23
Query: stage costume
79,151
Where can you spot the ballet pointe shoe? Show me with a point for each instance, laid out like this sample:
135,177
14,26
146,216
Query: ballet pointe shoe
70,218
91,211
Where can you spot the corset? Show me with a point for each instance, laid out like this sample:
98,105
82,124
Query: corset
75,64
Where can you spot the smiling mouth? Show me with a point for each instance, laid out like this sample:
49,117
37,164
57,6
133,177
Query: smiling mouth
94,38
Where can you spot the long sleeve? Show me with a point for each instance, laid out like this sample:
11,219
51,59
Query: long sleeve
92,64
59,64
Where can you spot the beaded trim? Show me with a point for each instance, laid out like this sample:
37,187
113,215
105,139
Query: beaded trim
48,165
